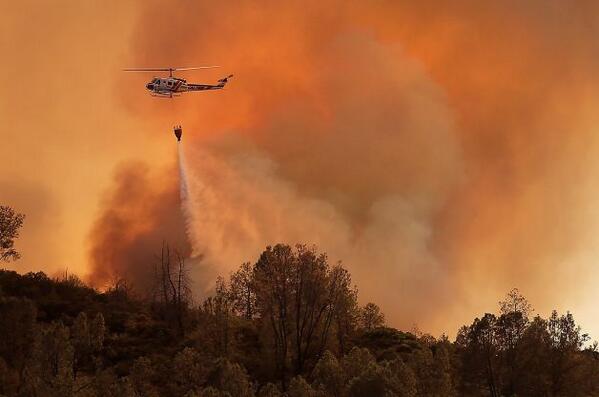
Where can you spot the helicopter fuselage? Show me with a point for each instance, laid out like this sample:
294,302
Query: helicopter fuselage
168,87
174,86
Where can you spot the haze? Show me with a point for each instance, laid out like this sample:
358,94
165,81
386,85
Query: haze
444,153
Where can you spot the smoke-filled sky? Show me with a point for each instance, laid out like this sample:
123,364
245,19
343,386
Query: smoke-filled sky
444,151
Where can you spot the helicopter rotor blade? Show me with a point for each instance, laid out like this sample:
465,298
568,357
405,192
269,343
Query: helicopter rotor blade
197,68
167,69
146,70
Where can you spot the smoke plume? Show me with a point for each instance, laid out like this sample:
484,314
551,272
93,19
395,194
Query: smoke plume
445,157
139,213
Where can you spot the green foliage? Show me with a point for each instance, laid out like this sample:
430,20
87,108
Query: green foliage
298,298
243,291
19,329
388,343
190,370
103,384
298,387
515,302
356,361
142,377
212,392
371,317
10,223
269,390
61,338
328,375
402,378
513,356
372,381
230,378
52,368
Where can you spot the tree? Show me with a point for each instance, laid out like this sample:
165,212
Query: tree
189,370
269,390
478,347
87,338
298,296
243,294
515,302
80,341
171,292
19,333
328,375
432,371
216,311
142,373
566,339
97,332
509,329
103,384
230,378
534,357
298,387
54,362
403,378
273,274
210,392
375,380
356,362
293,291
10,223
371,317
346,320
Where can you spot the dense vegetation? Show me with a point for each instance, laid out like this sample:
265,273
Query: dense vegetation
289,323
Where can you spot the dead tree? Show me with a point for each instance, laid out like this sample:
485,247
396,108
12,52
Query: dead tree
171,293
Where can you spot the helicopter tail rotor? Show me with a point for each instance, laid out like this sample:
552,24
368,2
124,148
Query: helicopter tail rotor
223,81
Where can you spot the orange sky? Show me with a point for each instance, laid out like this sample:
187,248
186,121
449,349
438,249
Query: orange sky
445,154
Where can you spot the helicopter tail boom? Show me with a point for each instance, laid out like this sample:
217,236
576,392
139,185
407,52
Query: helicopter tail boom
204,87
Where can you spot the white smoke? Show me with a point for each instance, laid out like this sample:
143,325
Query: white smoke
364,178
245,205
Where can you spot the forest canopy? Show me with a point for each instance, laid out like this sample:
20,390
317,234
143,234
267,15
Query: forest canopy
289,324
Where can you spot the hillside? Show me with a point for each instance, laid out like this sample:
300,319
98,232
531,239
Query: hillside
288,324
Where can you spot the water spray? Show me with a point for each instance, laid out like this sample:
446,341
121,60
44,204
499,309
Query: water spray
183,190
204,284
182,168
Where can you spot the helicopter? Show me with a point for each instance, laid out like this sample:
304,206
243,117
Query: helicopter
171,86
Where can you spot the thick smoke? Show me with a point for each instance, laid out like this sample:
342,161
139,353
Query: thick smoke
445,157
139,213
241,204
361,172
